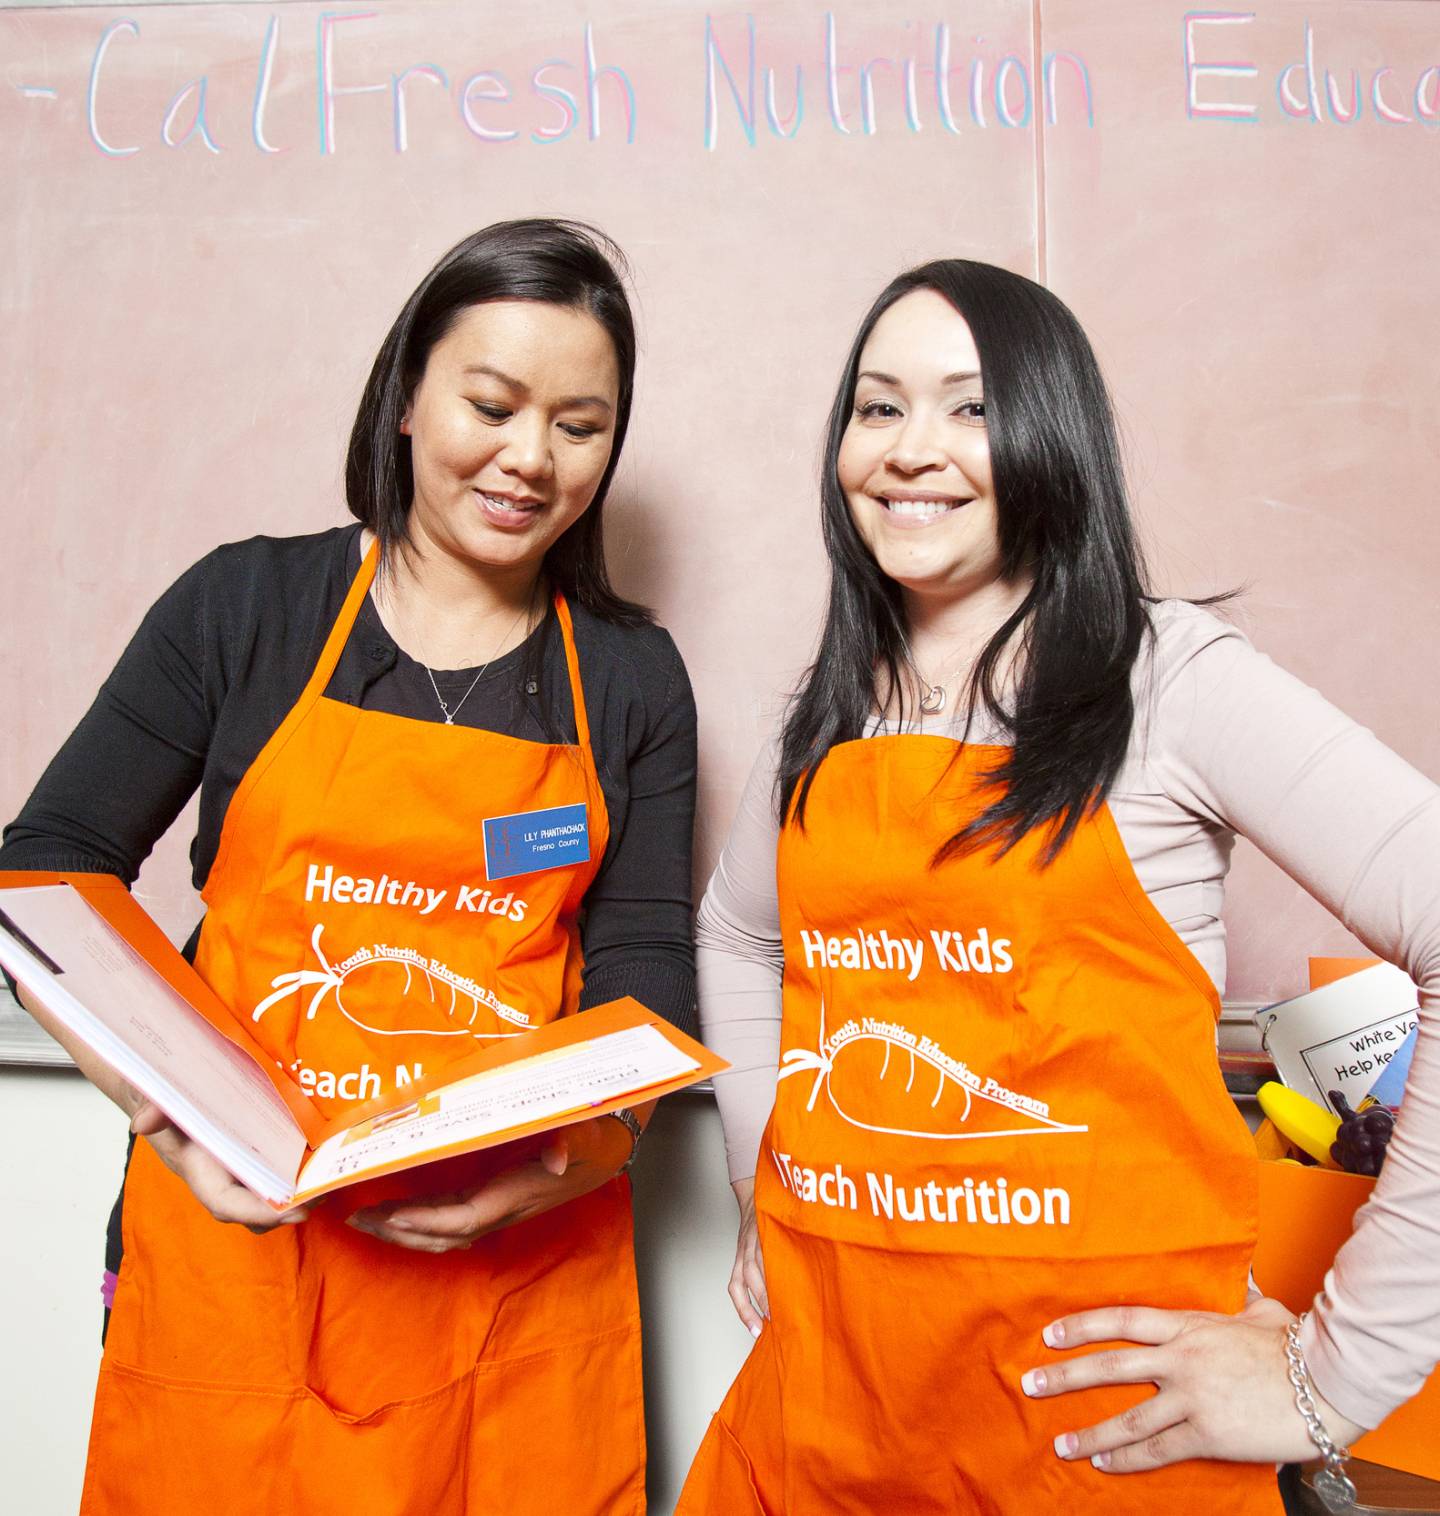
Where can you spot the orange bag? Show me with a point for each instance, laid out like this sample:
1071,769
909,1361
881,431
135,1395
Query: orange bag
1305,1216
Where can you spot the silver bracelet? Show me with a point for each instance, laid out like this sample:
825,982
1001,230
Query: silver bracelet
1332,1484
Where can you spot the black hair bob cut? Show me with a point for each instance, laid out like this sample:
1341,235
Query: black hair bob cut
1063,517
557,262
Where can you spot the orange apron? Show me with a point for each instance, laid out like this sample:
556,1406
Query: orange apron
999,1102
316,1369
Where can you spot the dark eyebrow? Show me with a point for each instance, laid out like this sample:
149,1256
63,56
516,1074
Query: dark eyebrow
524,389
494,373
963,377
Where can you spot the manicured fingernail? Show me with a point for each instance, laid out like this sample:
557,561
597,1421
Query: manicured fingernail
1032,1381
1101,1460
1067,1444
1053,1335
400,1225
754,1331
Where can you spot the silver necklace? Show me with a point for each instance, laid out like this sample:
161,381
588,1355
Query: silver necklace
933,696
449,714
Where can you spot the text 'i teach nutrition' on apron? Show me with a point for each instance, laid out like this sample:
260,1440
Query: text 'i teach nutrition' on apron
999,1103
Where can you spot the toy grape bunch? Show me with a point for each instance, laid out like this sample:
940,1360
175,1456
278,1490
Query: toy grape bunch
1363,1136
1352,1140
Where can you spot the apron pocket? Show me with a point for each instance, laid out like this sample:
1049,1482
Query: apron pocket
560,1431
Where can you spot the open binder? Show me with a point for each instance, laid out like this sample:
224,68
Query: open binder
87,950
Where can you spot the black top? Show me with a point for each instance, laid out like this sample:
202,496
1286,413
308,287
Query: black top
224,654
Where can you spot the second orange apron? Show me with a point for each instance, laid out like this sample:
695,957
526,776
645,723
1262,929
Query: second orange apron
353,916
999,1103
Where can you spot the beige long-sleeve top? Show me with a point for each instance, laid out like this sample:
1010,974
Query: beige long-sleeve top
1225,743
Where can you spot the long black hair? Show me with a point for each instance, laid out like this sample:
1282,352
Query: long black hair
1063,518
563,263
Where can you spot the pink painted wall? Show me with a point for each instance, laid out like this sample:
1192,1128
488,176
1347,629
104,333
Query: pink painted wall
1260,286
188,329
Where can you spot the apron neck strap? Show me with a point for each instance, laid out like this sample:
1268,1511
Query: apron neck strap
359,588
335,642
572,663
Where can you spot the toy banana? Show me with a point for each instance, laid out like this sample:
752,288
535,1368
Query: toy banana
1309,1126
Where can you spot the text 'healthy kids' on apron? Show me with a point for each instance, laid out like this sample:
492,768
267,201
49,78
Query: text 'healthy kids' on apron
377,911
999,1103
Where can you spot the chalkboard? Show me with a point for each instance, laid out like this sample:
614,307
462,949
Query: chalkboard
214,212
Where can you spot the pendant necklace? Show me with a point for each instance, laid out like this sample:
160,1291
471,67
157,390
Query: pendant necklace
449,713
933,696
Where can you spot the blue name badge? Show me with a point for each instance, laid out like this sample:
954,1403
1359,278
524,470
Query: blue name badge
532,841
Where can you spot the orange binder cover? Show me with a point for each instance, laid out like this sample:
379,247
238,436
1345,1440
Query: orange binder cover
423,1097
397,1123
107,894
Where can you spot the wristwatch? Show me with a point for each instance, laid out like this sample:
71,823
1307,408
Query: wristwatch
631,1122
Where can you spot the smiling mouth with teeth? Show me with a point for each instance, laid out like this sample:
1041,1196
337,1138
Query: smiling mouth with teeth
921,510
505,503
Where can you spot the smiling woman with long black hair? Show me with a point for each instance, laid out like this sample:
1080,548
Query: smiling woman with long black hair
357,703
963,950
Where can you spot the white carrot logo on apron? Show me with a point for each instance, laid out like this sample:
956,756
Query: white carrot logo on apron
909,1086
459,1000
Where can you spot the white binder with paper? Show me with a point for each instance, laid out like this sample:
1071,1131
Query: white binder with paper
1341,1036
